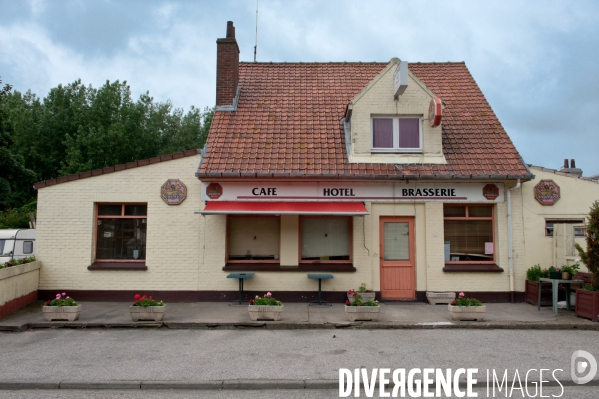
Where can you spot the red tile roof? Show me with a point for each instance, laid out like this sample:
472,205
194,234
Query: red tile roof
288,116
116,168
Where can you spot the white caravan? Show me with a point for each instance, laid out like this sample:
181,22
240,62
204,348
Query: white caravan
16,244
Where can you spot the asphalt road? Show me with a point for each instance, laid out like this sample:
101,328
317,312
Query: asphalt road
200,355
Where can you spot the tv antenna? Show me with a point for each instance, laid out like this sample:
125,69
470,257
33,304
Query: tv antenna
256,45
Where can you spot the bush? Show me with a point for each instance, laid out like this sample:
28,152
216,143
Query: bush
591,256
535,273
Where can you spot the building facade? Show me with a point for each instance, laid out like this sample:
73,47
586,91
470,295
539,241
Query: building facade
394,175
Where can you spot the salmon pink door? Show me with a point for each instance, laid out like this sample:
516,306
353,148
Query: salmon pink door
398,278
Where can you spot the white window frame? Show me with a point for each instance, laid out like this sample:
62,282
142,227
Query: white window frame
396,148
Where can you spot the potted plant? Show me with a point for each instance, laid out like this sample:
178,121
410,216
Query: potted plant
587,298
569,271
265,308
146,308
555,273
360,309
365,293
464,308
532,286
62,307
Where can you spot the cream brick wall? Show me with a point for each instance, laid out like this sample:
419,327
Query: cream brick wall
377,100
65,229
18,281
576,198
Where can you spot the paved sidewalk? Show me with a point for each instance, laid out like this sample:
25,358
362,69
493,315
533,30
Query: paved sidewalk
221,315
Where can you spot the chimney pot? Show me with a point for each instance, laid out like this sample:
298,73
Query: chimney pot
566,165
230,30
572,163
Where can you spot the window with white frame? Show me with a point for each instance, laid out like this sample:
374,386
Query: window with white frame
396,134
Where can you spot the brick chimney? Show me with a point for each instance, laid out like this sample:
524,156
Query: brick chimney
227,67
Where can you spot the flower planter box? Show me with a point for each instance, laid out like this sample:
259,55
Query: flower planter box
366,296
370,313
18,287
439,297
531,293
587,304
147,313
55,313
263,312
467,312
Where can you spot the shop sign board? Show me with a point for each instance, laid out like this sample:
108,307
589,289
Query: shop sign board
173,192
547,192
335,191
435,112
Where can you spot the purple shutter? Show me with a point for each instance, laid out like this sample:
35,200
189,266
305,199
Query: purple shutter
409,133
382,131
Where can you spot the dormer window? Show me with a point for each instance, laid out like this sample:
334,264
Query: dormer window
396,134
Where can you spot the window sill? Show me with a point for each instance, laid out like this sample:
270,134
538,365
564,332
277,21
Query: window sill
275,267
473,267
118,266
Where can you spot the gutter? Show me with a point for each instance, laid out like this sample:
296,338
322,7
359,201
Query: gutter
509,239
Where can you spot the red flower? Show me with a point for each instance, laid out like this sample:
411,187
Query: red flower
136,296
347,302
251,301
355,294
150,296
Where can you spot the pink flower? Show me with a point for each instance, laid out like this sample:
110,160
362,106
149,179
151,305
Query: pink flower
350,291
462,295
57,296
64,294
268,295
257,297
68,297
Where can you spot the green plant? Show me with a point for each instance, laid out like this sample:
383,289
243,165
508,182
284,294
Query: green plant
357,301
266,300
362,289
571,269
590,257
61,300
535,273
589,287
17,262
552,269
145,301
461,300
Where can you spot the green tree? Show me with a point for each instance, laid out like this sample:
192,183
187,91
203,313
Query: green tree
591,256
16,180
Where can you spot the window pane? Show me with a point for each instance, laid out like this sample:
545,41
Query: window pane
454,211
382,132
2,246
136,210
480,211
121,239
27,247
397,241
325,239
409,133
254,238
467,239
109,210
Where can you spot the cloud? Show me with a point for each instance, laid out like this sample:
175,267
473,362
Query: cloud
535,64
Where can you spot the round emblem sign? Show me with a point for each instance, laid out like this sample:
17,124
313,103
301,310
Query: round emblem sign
547,192
490,192
435,111
173,192
214,191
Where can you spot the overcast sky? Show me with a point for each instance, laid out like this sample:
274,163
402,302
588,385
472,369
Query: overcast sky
537,62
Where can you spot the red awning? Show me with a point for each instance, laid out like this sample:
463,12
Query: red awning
284,208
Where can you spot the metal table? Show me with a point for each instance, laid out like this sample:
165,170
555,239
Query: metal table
241,277
320,277
554,283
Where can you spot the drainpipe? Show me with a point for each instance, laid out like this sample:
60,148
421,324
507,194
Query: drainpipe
509,239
